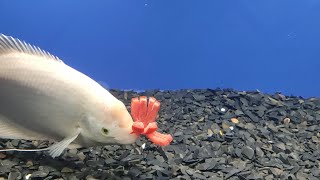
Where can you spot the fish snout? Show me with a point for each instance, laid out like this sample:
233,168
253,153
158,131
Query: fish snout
130,138
125,122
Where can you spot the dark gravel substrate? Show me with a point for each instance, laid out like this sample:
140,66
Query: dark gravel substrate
270,137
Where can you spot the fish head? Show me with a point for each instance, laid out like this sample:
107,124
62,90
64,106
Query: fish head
121,128
114,126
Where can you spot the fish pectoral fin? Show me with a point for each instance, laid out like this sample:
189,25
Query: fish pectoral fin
57,148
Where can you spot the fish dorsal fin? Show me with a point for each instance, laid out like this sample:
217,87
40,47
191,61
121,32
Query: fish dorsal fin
10,45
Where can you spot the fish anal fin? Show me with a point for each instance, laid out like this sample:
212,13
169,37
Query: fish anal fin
58,148
10,130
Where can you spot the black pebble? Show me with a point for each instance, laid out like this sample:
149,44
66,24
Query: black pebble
248,152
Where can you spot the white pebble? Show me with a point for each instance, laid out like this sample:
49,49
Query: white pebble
231,127
143,145
223,110
28,176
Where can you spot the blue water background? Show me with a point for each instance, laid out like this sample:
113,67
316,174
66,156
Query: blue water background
271,45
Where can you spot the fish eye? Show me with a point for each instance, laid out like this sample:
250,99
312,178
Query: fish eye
105,131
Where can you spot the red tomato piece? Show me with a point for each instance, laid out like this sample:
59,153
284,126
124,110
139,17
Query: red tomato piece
138,127
160,139
151,127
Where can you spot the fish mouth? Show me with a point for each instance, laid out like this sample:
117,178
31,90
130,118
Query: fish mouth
130,139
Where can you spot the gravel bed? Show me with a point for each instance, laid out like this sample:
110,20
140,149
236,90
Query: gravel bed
218,134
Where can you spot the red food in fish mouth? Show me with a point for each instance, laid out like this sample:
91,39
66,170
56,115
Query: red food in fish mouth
144,113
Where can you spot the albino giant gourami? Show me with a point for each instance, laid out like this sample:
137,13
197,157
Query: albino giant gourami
42,98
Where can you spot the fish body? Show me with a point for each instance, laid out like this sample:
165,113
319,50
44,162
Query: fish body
42,98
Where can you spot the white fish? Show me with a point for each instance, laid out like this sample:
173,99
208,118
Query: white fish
42,98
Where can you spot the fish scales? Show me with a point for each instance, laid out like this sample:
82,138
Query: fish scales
43,97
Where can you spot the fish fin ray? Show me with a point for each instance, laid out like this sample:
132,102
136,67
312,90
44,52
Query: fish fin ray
58,148
9,45
24,150
13,131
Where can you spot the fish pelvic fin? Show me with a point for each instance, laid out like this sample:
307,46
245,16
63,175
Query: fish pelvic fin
58,148
24,150
9,45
